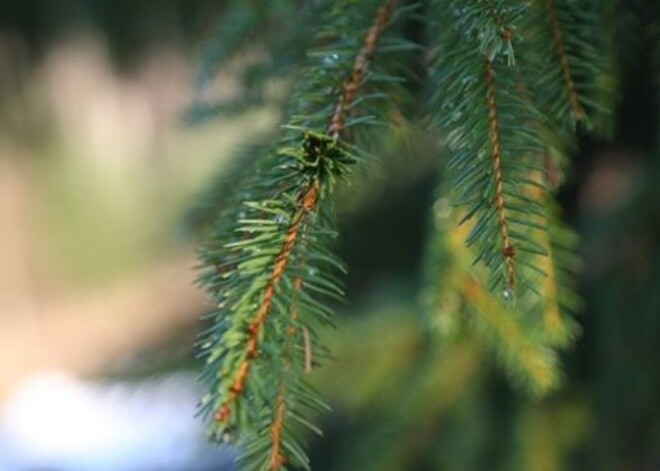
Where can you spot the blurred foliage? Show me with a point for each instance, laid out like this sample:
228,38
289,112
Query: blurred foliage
463,415
405,401
410,397
131,27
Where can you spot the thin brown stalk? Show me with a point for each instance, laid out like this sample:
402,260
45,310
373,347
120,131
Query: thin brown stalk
277,457
508,251
576,109
360,67
307,203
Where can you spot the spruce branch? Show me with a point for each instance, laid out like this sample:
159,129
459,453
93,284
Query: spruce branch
313,145
307,201
268,267
360,66
508,251
568,59
277,457
509,84
489,123
576,111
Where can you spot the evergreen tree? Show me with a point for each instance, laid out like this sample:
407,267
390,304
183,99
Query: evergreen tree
501,91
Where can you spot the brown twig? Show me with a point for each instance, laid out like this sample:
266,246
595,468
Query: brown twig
277,457
577,111
508,251
360,67
307,203
335,127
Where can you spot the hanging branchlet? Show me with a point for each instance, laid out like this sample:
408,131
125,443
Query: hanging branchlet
360,66
566,55
307,202
268,285
277,456
508,81
576,111
508,251
493,150
498,179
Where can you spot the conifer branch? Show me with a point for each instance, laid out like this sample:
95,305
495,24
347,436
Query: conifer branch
360,66
268,255
307,202
577,111
335,128
277,457
567,59
508,251
267,265
491,151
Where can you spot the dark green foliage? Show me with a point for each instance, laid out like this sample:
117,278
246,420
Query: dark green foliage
569,75
477,58
267,263
507,85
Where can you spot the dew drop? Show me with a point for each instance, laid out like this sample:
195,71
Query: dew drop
331,59
279,219
442,208
456,115
312,271
509,296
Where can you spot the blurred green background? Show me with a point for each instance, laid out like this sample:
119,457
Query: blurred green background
99,173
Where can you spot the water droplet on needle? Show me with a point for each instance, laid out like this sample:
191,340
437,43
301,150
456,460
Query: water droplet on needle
509,296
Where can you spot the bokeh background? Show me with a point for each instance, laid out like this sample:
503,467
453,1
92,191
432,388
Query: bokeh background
99,176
